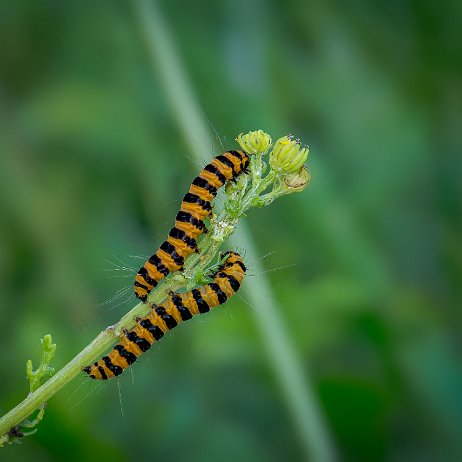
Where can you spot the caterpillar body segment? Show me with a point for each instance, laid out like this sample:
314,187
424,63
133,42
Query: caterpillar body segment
189,222
177,308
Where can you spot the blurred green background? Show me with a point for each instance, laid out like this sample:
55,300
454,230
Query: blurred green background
93,166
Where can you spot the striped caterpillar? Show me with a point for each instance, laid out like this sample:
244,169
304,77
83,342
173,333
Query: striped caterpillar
189,222
178,307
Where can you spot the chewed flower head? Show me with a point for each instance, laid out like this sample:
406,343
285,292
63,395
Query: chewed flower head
255,142
298,181
288,156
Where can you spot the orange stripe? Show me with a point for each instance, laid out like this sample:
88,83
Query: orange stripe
211,178
201,192
195,210
236,162
190,230
224,169
181,248
167,260
153,272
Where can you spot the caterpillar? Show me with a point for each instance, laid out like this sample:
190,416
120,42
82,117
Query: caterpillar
189,222
178,307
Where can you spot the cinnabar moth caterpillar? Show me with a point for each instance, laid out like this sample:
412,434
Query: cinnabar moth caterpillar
178,307
189,222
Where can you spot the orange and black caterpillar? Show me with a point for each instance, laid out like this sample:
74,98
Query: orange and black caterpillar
178,307
189,222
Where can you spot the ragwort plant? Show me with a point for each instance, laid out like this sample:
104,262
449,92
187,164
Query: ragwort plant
266,180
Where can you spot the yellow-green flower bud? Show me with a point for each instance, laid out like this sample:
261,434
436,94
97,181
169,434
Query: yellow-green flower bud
298,181
255,142
287,155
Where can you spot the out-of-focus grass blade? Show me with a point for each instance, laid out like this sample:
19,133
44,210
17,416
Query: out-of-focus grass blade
297,390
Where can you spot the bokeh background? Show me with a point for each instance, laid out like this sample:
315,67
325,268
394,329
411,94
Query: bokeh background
96,153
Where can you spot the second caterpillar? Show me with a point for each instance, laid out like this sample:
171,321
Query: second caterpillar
178,307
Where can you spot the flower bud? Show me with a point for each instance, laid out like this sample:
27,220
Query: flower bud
287,155
297,181
255,142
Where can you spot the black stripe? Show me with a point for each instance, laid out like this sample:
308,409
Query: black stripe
191,198
171,250
184,312
237,154
154,330
204,184
233,282
220,294
127,355
212,169
238,262
116,370
157,262
186,217
202,305
140,342
143,272
226,161
87,369
182,236
102,372
170,321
